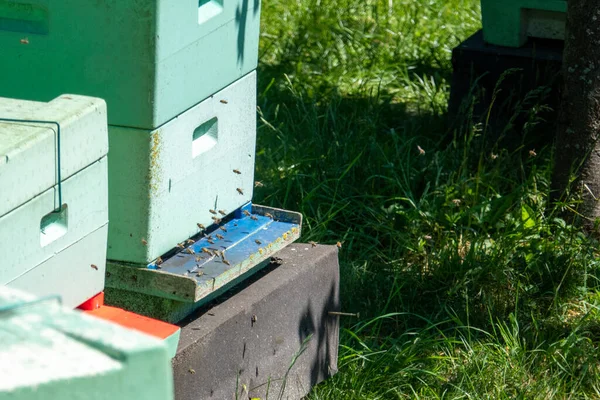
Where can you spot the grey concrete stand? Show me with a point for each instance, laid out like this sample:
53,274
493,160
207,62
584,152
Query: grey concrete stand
275,335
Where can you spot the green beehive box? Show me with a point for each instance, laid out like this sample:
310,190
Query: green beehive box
48,352
54,196
150,60
163,182
510,22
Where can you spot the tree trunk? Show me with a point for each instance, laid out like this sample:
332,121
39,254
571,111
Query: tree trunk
577,145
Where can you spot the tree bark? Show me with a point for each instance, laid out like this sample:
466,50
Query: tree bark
577,146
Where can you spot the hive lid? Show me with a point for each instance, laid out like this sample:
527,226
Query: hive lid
51,352
29,158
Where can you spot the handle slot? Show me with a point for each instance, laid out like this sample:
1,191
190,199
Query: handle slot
53,226
205,137
208,9
22,17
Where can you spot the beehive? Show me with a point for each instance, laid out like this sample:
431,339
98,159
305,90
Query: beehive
163,182
53,236
49,352
150,60
510,22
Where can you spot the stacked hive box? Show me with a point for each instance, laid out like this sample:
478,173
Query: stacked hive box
53,196
49,352
179,84
510,22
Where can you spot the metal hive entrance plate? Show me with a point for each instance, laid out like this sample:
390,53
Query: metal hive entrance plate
207,263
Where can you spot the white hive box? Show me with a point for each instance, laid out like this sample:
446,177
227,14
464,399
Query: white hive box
52,353
163,182
48,247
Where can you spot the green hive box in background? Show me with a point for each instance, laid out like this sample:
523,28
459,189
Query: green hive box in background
52,353
163,182
150,60
53,237
510,22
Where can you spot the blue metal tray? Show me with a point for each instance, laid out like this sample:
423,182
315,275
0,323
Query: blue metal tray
213,258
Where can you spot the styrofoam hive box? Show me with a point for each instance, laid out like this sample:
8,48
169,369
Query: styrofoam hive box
163,182
50,352
150,60
48,247
510,22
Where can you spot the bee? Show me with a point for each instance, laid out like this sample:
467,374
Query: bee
224,101
180,245
237,171
220,236
190,250
254,319
258,184
144,242
222,212
24,41
94,267
200,273
210,241
198,258
190,241
532,153
192,371
205,250
200,226
246,213
313,244
226,262
254,218
158,261
209,237
269,215
217,220
212,211
223,228
240,191
421,151
258,242
339,245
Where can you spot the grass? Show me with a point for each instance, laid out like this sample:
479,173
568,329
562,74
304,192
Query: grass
469,284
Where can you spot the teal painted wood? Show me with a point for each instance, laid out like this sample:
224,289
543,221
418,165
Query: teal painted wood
163,182
149,60
63,264
28,151
49,352
70,273
43,251
509,22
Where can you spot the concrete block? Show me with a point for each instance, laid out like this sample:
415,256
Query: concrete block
163,182
275,329
511,22
150,61
49,352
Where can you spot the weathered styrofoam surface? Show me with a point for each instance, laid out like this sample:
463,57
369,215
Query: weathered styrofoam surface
149,60
510,22
76,273
50,352
86,197
28,151
159,191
